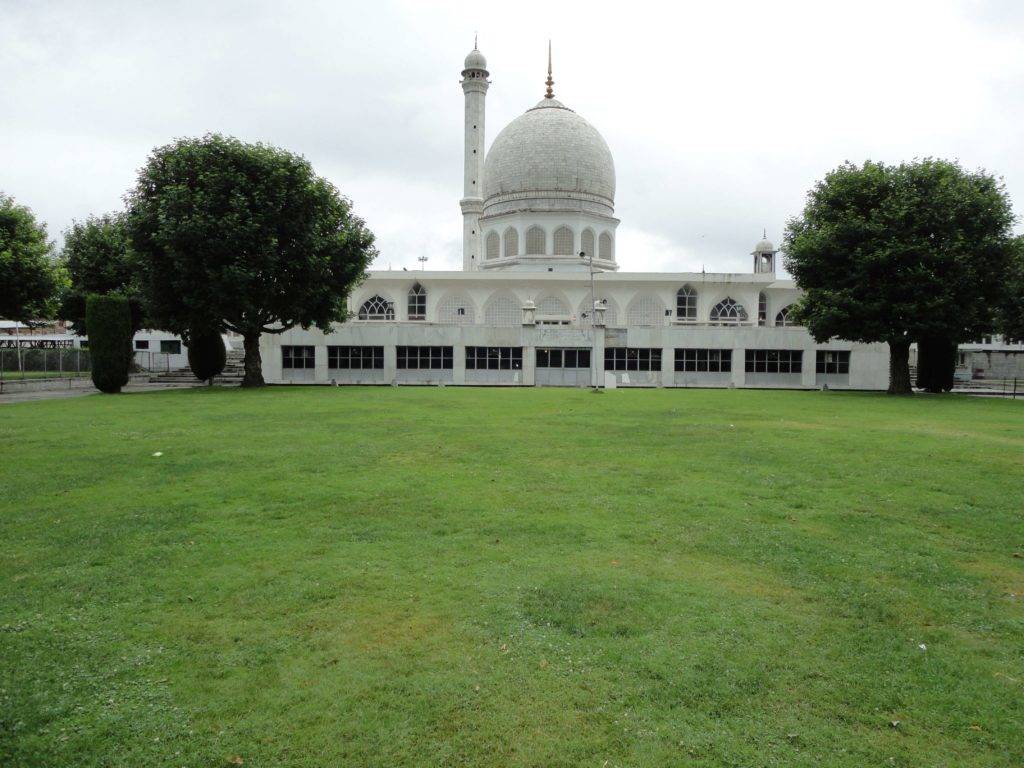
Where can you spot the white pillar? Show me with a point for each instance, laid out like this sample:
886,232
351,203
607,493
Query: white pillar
474,86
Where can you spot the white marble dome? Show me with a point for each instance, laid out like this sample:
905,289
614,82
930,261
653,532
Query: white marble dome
475,60
552,153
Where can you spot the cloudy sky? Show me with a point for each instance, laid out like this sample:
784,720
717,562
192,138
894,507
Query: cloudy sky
720,115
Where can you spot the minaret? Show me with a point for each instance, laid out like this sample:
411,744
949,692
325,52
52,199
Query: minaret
474,86
764,256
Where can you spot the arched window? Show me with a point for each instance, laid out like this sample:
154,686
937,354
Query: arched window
377,308
417,302
493,245
503,311
686,303
728,311
587,243
762,309
646,309
563,241
455,309
552,306
784,318
511,238
536,242
605,246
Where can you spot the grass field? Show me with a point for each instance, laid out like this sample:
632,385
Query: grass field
469,577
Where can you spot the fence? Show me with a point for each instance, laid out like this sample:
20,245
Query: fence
70,362
35,363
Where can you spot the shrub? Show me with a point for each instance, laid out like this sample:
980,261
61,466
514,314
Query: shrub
206,353
109,320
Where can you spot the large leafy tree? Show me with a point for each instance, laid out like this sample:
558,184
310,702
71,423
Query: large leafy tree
1011,314
897,254
245,238
98,260
29,277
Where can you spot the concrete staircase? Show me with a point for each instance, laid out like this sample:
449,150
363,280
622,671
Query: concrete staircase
233,373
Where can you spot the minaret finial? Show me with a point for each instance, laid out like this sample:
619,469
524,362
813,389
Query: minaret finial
549,82
475,46
764,235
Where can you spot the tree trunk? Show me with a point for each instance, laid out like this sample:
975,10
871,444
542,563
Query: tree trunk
899,368
253,362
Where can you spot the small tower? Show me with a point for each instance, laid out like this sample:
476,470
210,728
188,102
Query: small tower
474,86
764,256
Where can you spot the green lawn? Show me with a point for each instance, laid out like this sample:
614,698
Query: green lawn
535,577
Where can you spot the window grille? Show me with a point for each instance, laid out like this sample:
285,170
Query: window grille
703,360
605,246
646,310
417,302
493,245
552,306
686,303
587,243
503,311
355,358
377,308
170,347
536,241
774,361
293,356
494,358
728,310
762,309
563,241
632,359
455,310
511,242
424,358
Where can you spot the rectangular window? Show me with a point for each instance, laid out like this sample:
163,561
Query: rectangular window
632,359
296,356
424,358
494,358
704,360
142,343
563,358
170,347
774,361
827,361
355,358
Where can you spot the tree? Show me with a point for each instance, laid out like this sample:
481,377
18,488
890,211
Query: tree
98,259
1011,313
243,237
895,254
110,340
29,277
206,353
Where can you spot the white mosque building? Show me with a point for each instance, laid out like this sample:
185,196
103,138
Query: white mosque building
540,299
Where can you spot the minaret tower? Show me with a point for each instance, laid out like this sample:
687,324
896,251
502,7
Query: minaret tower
474,86
764,256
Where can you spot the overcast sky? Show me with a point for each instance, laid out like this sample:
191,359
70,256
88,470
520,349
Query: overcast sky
720,116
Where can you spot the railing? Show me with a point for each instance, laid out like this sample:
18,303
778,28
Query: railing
35,363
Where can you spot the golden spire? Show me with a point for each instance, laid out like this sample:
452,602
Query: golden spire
549,82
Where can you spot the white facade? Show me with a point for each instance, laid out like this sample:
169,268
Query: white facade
540,300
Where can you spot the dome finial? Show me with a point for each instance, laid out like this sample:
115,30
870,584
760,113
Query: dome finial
475,46
764,235
549,82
